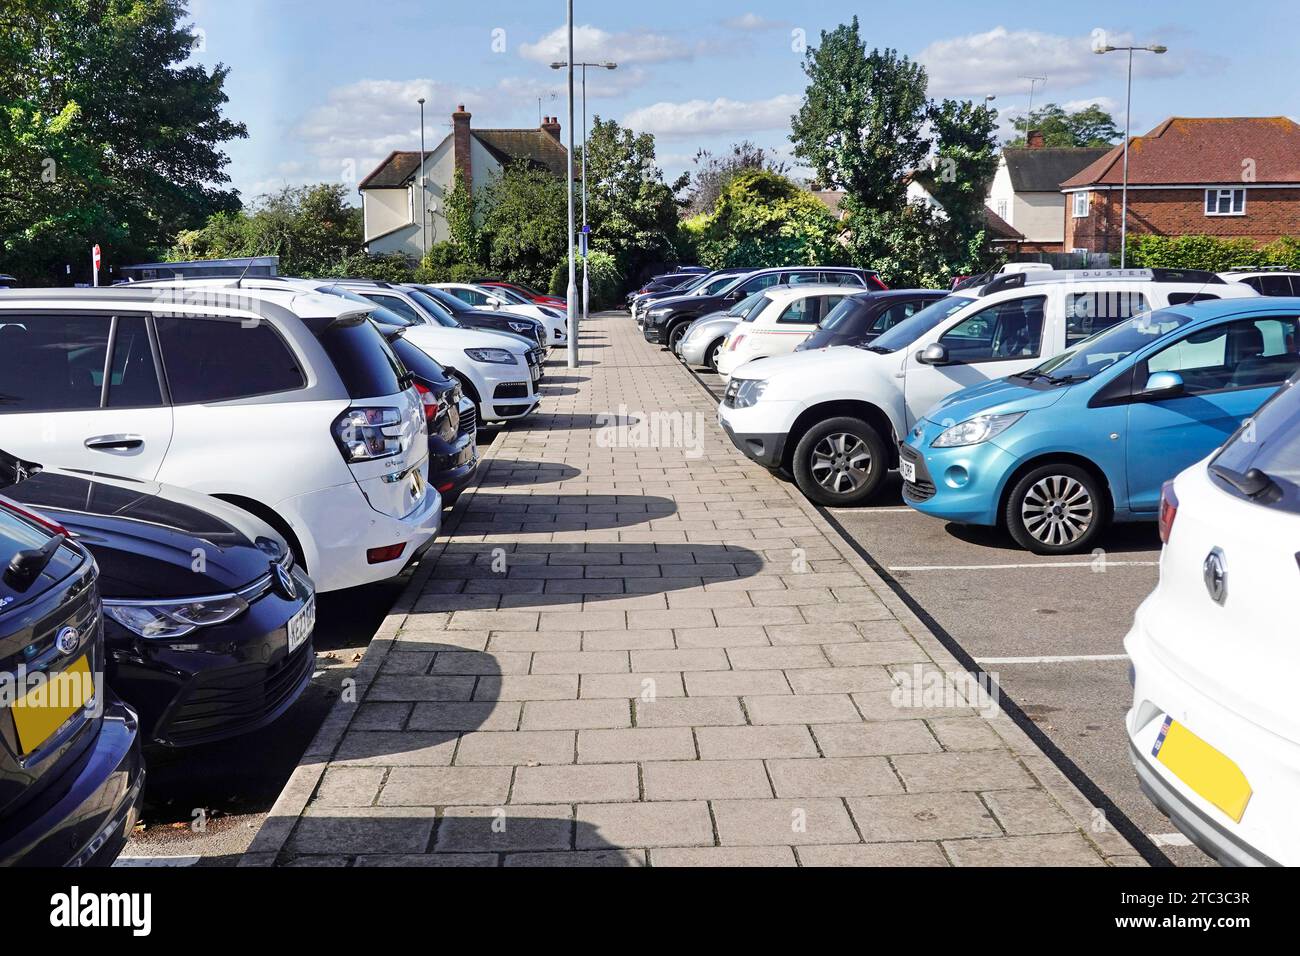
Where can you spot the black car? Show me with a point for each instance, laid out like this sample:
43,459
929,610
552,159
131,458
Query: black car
451,416
71,773
666,283
207,621
860,318
706,284
667,319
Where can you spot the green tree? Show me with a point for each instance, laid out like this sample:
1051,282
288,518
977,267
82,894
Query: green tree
462,220
524,230
633,213
712,173
764,219
861,123
1090,126
107,133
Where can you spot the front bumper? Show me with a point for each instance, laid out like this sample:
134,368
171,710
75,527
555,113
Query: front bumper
766,449
86,818
1266,834
216,682
336,527
956,484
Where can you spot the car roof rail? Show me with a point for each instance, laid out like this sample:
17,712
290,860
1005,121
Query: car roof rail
1008,280
1260,269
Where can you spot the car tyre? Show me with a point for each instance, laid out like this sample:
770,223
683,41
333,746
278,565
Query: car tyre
1057,509
713,353
840,462
675,335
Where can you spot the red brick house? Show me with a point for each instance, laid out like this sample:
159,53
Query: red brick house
1230,177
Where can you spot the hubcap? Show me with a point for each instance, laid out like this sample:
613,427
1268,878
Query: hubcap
841,463
1057,510
715,355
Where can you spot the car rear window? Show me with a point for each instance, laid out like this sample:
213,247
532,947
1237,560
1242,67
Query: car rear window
1269,441
365,362
215,360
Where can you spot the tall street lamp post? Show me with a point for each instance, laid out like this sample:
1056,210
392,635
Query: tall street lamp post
606,65
1128,105
424,195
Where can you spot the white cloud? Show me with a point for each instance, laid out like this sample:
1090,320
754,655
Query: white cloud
596,45
998,61
711,117
752,21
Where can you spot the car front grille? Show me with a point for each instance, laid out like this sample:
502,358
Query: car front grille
923,488
468,420
511,390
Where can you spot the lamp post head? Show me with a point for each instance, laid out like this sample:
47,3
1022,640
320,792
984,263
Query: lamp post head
558,65
1104,49
420,101
610,66
1158,48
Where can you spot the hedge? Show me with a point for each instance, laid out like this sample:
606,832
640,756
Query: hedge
1211,253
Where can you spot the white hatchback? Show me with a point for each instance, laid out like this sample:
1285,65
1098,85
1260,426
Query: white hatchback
289,405
776,325
1214,732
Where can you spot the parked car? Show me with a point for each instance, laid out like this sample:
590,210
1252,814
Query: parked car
1212,731
704,338
540,298
664,283
71,774
708,283
1266,281
1055,453
867,315
452,312
207,622
450,414
834,417
287,404
788,316
666,320
507,301
7,281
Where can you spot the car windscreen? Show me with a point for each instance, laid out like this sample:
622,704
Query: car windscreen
908,331
719,285
757,308
840,317
510,295
747,305
434,308
1104,349
449,302
1261,462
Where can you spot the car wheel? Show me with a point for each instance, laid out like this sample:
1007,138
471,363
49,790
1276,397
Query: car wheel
714,353
1056,509
675,335
840,462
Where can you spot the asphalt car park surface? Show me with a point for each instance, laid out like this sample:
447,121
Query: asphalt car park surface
1049,630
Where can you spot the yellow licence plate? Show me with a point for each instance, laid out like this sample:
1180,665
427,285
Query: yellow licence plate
1211,774
44,709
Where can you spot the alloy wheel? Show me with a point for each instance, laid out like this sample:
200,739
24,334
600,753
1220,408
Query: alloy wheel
841,463
1057,510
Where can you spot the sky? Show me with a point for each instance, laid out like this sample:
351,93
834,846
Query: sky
328,88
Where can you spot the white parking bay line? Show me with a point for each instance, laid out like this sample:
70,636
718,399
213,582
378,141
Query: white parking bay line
1169,839
156,861
1098,565
1065,659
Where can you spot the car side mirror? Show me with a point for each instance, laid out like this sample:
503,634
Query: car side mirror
933,354
1163,385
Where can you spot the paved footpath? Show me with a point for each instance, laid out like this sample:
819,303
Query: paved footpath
635,647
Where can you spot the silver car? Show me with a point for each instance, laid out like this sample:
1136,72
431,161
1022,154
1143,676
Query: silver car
702,343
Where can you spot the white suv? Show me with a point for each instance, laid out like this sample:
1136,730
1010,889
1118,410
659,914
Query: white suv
289,405
848,406
1213,731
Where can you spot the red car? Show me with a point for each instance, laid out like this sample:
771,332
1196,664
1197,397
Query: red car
532,295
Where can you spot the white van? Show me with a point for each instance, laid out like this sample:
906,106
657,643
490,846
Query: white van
783,412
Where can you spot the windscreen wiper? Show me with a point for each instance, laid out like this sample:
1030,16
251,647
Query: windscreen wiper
1254,483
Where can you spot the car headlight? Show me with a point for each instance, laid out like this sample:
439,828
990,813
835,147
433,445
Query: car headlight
493,356
554,313
979,429
162,620
749,391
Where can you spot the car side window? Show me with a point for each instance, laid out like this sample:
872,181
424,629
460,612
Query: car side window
896,313
1181,298
1087,313
397,304
841,278
799,312
1248,353
803,278
132,375
215,360
53,363
759,282
1009,330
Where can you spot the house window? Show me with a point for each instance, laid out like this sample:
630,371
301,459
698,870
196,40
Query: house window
1080,208
1225,202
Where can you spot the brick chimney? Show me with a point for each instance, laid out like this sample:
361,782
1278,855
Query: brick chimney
1034,139
551,124
460,145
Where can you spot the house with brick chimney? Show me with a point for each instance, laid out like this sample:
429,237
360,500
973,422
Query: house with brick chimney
1025,193
390,196
1229,177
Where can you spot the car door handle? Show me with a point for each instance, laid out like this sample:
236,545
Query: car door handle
119,442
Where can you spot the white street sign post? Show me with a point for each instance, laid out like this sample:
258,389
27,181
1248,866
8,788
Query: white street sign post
95,259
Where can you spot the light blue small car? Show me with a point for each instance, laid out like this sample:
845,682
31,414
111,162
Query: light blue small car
1056,453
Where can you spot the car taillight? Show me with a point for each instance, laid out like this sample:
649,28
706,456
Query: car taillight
1168,510
53,527
430,403
379,555
369,433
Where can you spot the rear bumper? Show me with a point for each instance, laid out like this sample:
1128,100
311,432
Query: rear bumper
99,800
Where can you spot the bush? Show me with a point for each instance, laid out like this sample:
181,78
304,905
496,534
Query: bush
390,268
604,280
1211,253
